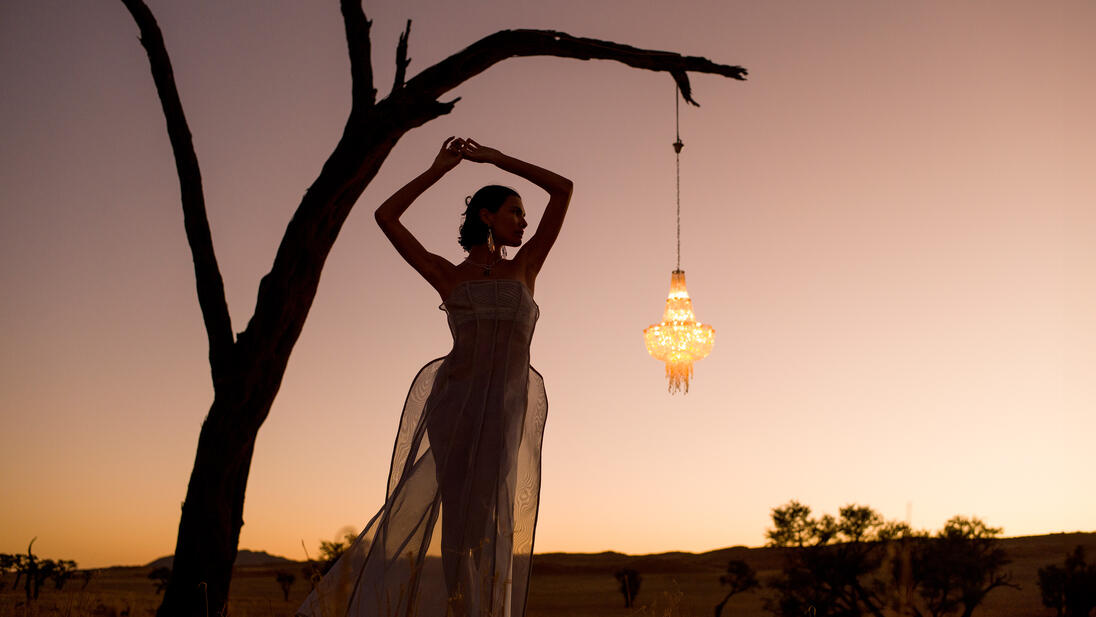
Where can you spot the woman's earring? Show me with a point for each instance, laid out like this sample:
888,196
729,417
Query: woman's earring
490,241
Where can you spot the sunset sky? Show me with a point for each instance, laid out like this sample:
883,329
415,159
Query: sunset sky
891,227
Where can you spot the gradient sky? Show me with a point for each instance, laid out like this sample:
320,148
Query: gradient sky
890,226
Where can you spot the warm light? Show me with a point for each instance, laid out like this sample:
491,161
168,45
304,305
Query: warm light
679,340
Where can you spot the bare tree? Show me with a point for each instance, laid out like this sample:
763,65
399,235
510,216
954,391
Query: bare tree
740,577
247,369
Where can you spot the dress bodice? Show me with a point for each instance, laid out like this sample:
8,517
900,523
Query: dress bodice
499,311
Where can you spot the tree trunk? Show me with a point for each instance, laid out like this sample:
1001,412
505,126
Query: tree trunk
719,607
209,528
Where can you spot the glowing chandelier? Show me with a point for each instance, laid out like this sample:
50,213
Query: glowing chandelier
679,340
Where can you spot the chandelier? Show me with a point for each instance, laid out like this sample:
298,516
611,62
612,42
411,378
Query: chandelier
678,340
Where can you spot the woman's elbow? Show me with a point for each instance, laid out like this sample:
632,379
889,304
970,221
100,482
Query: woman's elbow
565,188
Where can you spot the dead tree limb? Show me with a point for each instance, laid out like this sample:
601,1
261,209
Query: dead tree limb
211,290
402,61
477,57
358,47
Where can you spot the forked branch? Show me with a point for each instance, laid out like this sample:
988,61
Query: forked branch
358,46
211,290
401,58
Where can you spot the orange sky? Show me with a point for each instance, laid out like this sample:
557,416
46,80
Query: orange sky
890,227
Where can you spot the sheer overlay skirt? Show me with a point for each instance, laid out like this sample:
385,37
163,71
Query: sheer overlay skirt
455,535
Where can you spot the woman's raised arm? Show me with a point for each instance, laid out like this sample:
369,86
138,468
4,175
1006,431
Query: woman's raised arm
535,251
432,267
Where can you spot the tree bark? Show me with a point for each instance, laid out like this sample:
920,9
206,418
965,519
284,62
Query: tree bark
247,372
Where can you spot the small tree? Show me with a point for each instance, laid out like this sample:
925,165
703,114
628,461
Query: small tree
7,562
37,572
959,567
18,566
629,580
741,577
330,551
285,581
62,571
792,525
1069,590
832,565
47,569
159,577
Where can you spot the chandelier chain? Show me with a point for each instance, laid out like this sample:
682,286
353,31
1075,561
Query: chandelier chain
677,164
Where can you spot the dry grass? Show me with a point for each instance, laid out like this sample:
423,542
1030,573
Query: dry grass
563,585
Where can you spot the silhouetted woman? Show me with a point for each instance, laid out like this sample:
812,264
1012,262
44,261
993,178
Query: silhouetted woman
467,455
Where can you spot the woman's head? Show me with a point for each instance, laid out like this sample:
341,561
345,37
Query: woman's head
492,207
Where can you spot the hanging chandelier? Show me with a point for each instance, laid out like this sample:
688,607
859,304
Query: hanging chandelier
679,340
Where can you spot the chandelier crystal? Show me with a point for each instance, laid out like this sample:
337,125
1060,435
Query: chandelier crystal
679,340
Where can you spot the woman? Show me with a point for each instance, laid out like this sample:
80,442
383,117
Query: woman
467,456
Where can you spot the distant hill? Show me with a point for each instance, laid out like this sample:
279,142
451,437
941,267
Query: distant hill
1044,549
243,558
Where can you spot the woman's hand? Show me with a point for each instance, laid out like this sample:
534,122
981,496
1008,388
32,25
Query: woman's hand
450,155
480,154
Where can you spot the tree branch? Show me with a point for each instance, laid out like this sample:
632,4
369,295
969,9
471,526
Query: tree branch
211,291
361,62
401,58
451,72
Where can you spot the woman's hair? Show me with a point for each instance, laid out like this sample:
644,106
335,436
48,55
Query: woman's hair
473,230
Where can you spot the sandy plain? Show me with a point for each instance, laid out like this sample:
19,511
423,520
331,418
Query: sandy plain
563,585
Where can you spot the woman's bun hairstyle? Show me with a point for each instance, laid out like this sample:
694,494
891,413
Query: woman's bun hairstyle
473,230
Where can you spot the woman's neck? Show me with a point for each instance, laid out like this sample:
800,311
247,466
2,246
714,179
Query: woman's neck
480,255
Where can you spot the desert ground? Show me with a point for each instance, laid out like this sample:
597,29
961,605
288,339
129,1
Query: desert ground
563,585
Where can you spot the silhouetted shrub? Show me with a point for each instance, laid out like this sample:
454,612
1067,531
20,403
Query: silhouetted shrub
833,566
956,569
1070,589
160,577
860,564
285,581
629,580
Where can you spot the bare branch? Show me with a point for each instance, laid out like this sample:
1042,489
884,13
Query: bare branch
449,73
361,62
401,58
211,291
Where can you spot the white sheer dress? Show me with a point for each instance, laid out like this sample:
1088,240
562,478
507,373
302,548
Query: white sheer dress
455,534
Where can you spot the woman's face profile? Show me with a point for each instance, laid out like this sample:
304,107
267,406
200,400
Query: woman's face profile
508,224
